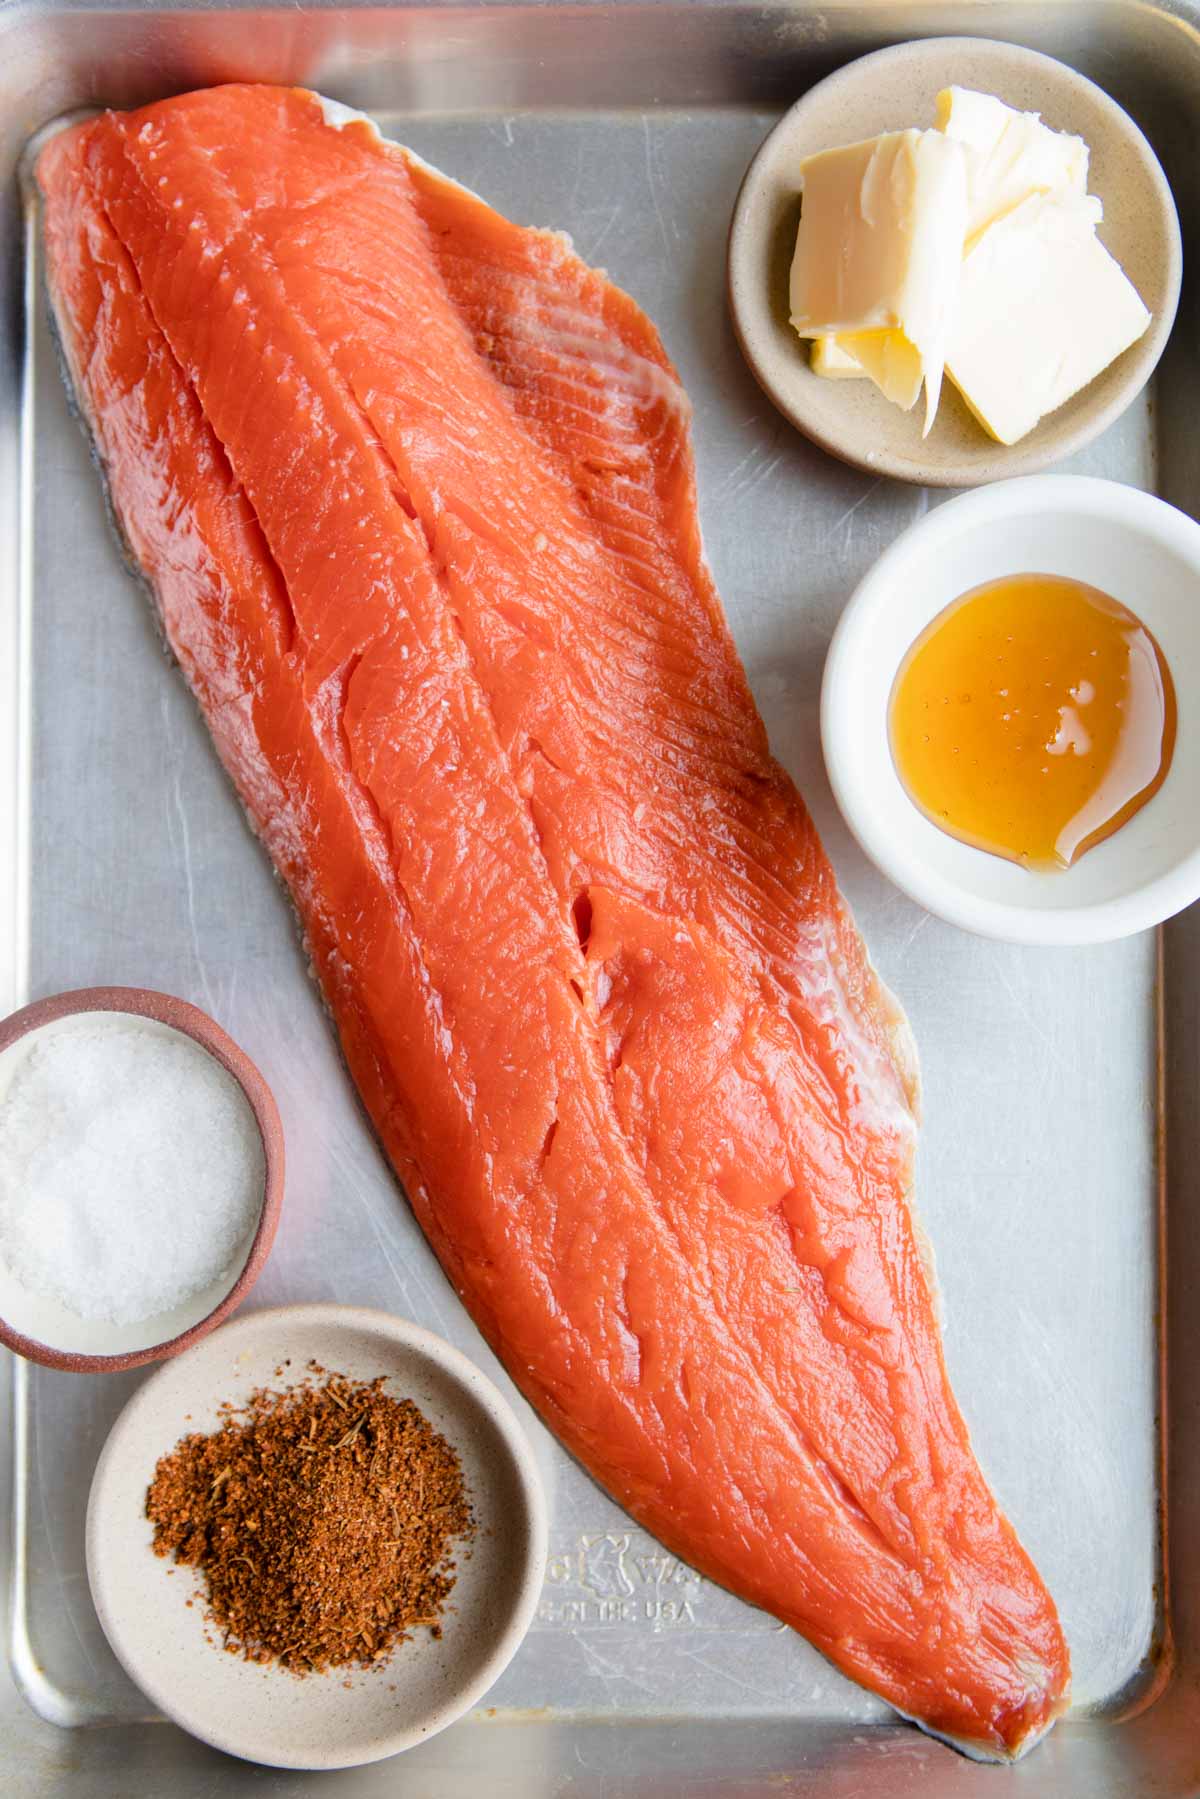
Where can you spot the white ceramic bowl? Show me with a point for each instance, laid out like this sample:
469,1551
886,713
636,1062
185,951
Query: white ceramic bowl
336,1719
1132,546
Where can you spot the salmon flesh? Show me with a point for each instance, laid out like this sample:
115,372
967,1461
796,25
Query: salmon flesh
413,489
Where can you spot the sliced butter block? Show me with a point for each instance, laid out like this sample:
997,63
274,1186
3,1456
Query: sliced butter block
1010,154
885,357
879,249
828,357
893,363
1042,310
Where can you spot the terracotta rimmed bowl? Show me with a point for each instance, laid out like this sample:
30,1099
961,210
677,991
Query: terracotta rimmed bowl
45,1331
887,91
343,1717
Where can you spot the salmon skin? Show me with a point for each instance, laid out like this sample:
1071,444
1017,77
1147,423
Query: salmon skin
413,489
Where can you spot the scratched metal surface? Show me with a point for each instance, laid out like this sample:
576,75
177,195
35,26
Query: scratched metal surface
1039,1173
142,871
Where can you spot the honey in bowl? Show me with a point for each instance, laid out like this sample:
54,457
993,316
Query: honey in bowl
1032,718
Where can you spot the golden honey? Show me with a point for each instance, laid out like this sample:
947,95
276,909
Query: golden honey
1032,718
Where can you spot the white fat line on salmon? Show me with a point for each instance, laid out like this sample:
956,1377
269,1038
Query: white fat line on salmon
656,382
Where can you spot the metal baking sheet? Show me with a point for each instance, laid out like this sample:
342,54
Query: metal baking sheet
1058,1137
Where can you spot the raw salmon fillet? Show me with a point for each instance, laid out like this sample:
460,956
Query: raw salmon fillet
413,489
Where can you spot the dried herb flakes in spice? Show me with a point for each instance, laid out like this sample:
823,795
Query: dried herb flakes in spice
322,1517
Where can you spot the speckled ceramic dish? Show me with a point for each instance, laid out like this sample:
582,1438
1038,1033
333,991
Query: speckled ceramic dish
43,1330
887,91
338,1719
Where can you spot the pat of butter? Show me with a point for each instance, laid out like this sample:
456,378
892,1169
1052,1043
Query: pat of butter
884,357
878,255
893,362
829,358
1042,310
1010,155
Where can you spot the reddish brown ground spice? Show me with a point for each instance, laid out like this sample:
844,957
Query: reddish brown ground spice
322,1518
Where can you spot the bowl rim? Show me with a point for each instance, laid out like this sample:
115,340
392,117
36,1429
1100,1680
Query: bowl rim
180,1015
1025,458
486,1394
1102,921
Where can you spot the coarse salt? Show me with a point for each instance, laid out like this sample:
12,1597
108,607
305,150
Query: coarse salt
131,1167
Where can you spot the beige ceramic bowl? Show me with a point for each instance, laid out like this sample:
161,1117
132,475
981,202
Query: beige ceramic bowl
887,91
337,1719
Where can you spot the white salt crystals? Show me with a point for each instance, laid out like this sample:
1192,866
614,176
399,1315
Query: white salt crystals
131,1166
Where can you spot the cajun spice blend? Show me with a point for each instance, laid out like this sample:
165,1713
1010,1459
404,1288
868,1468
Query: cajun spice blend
322,1517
